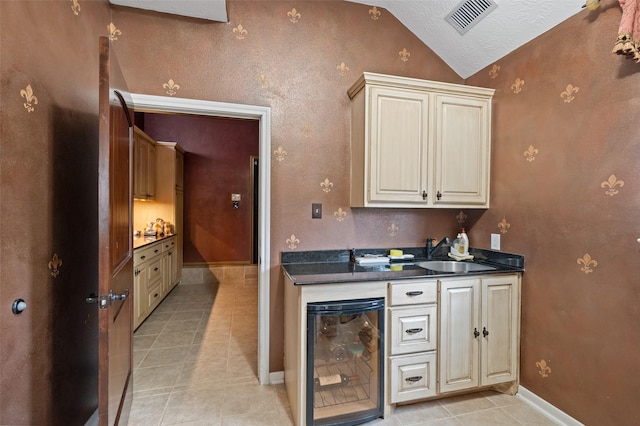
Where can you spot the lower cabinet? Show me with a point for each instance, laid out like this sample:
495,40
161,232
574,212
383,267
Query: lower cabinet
479,331
443,336
154,276
413,322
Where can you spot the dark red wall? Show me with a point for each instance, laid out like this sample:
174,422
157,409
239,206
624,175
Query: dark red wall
217,163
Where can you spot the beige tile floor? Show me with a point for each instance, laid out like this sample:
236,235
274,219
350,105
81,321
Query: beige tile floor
195,361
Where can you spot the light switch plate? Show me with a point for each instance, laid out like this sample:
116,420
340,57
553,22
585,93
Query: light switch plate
316,211
495,241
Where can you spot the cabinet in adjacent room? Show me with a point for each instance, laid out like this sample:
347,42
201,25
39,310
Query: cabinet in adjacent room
144,165
479,331
419,143
154,276
170,192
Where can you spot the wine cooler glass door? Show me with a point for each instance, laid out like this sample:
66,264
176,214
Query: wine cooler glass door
344,361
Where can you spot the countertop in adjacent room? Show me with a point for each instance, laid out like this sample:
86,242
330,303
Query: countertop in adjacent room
142,241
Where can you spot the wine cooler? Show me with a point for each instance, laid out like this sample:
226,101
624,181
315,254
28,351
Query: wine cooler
345,362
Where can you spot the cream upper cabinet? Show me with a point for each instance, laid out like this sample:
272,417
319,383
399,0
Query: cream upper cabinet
418,143
479,331
144,166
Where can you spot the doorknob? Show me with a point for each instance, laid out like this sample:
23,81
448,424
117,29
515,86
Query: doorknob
113,297
18,306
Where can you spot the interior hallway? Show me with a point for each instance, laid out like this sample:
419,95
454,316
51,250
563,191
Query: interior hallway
195,362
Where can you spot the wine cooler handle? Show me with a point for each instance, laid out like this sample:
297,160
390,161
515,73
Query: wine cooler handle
413,379
414,293
413,330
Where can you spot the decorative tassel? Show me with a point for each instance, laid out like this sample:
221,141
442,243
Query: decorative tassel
624,44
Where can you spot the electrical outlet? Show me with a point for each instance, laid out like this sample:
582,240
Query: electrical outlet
495,241
316,211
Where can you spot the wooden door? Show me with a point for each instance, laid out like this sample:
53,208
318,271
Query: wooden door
115,251
462,151
500,320
399,140
459,335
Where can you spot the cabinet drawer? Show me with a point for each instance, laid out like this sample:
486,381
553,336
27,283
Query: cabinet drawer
154,295
142,255
168,244
413,292
147,253
155,271
413,377
413,329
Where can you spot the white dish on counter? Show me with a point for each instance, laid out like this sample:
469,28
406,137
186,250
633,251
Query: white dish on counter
403,257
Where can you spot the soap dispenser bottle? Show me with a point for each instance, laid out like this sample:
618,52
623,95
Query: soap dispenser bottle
465,239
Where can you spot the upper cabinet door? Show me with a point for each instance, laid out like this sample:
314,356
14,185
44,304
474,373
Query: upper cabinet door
462,151
398,149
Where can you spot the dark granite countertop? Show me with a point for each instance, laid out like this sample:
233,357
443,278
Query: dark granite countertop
333,266
139,242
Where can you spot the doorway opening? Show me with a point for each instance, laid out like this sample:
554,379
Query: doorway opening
161,104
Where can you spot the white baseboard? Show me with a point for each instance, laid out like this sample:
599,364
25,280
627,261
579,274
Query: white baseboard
276,377
546,409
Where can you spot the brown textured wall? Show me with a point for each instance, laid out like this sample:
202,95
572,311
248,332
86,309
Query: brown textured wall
48,202
299,58
564,173
216,164
566,194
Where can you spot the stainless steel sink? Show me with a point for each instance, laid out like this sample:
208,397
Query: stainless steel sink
453,266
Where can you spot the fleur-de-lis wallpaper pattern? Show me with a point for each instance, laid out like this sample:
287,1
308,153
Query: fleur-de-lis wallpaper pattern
564,166
559,200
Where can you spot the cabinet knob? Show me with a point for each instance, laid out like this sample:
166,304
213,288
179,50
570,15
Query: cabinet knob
438,195
485,332
424,195
476,333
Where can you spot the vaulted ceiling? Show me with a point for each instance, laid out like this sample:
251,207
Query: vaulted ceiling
504,27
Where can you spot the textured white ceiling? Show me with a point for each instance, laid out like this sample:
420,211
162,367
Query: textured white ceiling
214,10
512,24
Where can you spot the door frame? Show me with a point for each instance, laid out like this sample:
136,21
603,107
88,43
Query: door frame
164,104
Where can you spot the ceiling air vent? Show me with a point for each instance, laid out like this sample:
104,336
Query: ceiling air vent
468,13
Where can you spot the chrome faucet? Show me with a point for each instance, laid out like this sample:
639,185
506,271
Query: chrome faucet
431,249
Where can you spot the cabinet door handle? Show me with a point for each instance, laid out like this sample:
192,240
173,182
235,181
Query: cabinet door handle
424,195
155,269
476,333
414,293
413,379
413,330
438,195
143,257
485,332
156,250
